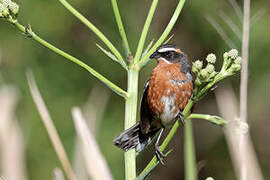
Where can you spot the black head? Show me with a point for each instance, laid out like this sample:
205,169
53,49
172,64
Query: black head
169,53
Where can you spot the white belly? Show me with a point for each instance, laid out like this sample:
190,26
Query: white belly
169,114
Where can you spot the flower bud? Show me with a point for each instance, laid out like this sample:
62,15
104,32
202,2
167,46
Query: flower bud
211,58
233,54
197,66
204,74
6,3
238,60
235,67
225,55
198,82
210,68
212,75
2,7
14,8
3,11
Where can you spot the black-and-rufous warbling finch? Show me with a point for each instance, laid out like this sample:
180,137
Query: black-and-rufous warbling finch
165,96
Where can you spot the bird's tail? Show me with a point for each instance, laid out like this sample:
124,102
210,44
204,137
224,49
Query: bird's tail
133,138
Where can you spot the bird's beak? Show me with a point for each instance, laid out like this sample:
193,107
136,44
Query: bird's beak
155,55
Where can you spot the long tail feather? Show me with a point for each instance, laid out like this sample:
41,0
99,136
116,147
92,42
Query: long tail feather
133,138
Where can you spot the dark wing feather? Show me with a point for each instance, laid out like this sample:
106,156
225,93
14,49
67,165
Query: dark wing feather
146,116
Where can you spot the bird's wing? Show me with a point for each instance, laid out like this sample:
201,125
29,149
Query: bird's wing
145,115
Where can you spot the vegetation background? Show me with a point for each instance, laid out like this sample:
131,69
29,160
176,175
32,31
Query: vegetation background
64,85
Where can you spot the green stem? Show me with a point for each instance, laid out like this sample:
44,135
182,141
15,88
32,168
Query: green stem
130,120
31,34
189,152
164,34
154,162
94,29
145,31
204,90
120,26
213,119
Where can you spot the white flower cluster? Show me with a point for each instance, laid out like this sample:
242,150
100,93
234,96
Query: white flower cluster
204,74
232,62
231,65
8,9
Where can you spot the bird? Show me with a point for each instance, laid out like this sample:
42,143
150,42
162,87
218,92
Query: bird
165,95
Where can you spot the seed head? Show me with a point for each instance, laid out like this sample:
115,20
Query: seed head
3,11
233,54
210,68
235,67
6,3
211,58
238,60
204,74
198,64
14,8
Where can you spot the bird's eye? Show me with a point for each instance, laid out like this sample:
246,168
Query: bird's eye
166,53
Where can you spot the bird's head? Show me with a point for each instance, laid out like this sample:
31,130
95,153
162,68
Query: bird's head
169,53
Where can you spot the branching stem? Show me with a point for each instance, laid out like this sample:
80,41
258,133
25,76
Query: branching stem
28,31
94,29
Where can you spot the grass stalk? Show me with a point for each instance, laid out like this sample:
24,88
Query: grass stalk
244,88
49,125
130,120
93,28
91,151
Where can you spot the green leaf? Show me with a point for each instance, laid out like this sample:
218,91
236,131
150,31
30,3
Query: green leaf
110,55
121,26
168,40
165,32
93,28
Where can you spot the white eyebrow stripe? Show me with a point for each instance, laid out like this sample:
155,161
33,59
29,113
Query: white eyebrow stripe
163,59
166,49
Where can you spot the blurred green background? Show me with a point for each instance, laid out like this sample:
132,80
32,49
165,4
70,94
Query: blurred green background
64,85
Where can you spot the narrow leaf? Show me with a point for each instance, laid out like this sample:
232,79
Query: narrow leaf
145,30
110,55
120,26
93,28
168,40
165,33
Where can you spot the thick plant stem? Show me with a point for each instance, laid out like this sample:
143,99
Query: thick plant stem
130,120
190,157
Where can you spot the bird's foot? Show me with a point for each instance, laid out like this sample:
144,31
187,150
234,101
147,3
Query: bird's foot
180,117
159,154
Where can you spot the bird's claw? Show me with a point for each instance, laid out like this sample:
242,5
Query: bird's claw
180,116
160,155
